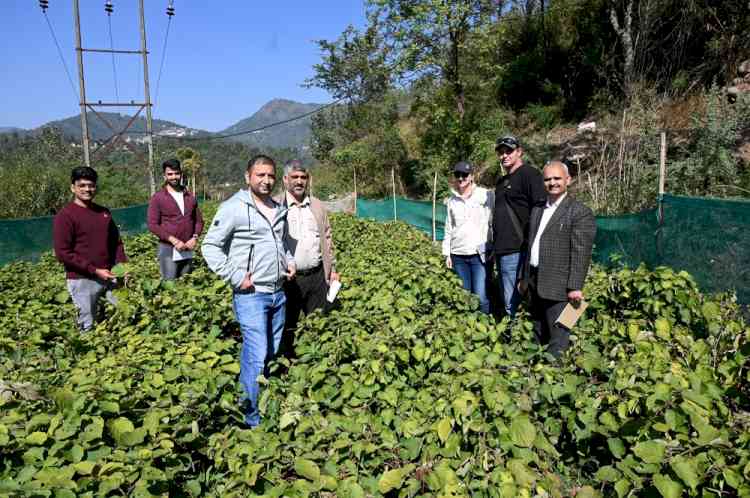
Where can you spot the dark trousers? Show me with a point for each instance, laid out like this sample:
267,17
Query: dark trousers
544,313
168,268
306,292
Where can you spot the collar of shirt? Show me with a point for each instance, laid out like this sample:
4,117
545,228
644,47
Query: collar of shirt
291,201
556,203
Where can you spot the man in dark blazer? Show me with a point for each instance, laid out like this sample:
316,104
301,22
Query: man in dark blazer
561,235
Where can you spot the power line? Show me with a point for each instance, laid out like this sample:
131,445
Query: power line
247,132
161,65
112,47
60,54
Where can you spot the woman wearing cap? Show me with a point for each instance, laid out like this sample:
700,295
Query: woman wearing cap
468,232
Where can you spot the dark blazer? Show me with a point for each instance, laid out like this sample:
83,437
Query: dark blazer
564,249
164,217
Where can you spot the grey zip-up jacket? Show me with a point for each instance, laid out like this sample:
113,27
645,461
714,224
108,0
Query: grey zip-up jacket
241,240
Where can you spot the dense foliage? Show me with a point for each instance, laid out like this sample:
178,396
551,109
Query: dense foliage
35,171
406,390
466,72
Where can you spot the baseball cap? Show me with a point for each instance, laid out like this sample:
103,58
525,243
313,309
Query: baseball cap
508,141
463,167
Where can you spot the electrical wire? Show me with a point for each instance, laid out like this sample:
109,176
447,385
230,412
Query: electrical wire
254,130
114,67
161,65
62,59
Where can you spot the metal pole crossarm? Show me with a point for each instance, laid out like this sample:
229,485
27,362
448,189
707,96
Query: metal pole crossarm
82,85
110,51
117,104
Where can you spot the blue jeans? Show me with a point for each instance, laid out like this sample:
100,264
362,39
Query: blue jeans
473,274
261,316
508,270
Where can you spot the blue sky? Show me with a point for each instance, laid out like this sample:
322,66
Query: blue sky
223,60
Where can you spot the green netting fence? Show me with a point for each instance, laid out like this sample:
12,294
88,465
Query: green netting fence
709,238
28,238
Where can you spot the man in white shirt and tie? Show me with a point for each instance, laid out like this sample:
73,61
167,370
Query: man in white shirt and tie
562,234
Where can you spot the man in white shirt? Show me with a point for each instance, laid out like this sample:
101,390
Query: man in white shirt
562,234
174,217
309,239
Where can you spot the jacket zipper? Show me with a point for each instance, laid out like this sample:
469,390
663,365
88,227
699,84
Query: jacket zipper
275,243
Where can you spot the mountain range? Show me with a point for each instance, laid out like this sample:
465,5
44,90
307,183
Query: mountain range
294,134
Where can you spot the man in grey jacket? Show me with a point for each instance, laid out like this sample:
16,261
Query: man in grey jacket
562,237
245,246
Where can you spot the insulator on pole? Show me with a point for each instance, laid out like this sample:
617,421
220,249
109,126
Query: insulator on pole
44,4
170,8
108,7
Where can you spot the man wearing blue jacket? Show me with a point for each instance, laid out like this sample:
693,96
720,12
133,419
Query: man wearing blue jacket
246,247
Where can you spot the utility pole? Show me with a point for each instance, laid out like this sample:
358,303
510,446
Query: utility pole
147,93
86,105
81,85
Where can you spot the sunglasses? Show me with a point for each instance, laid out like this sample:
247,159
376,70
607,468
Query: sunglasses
458,174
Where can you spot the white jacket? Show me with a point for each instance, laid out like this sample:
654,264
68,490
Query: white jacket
468,224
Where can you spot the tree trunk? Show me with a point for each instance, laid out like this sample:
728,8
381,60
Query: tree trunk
625,32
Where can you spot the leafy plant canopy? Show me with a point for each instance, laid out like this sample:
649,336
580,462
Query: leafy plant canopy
406,390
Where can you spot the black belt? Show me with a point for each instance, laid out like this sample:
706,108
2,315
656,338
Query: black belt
304,273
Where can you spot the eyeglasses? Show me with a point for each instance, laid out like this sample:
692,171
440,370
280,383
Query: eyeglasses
458,174
505,152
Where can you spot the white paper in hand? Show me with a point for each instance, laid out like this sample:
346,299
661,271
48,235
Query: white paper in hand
181,255
333,290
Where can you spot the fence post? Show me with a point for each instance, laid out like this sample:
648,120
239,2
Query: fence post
434,199
662,174
355,189
393,185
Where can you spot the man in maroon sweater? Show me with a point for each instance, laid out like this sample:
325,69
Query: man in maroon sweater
174,217
88,244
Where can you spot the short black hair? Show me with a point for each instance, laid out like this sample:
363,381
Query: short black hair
260,159
83,173
171,164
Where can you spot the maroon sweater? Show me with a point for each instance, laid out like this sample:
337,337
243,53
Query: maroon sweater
165,218
86,239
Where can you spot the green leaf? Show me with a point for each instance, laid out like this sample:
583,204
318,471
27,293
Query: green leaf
307,469
120,270
663,328
62,297
687,470
85,467
711,311
349,488
444,428
587,492
521,473
650,451
251,472
667,487
607,474
522,431
393,479
36,438
4,438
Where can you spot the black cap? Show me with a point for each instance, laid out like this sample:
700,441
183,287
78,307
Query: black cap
508,141
463,167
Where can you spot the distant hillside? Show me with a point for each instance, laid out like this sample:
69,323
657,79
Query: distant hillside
12,129
98,131
294,134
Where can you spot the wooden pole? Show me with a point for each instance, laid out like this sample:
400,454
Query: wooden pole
434,203
393,185
662,174
355,190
